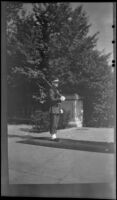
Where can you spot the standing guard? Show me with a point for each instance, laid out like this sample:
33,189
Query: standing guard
55,107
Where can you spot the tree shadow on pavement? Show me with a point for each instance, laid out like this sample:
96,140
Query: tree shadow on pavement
62,143
31,130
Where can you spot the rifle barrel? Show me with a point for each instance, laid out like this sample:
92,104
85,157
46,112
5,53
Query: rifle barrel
52,86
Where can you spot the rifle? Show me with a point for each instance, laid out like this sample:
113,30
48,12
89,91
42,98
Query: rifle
52,86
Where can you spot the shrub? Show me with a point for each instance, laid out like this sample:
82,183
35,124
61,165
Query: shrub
41,120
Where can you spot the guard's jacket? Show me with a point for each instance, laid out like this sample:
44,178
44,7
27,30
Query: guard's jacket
55,102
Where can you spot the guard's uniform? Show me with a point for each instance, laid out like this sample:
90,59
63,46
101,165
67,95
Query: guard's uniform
55,107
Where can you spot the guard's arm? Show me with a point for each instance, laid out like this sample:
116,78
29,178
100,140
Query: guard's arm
52,97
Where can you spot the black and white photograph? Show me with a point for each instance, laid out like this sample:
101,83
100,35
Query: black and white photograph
58,99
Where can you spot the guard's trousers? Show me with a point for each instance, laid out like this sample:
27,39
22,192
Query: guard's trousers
54,119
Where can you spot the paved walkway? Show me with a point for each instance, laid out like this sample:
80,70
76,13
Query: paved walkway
81,155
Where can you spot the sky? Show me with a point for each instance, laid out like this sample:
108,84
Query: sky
101,17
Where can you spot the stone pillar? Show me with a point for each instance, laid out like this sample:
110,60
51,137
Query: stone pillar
74,105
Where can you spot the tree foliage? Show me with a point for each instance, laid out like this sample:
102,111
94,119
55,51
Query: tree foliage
54,41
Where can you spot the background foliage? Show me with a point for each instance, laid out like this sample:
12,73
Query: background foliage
54,40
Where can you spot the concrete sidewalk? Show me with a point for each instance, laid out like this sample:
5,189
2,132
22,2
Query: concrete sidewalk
80,156
85,134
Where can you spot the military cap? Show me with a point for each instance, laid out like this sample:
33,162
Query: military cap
56,80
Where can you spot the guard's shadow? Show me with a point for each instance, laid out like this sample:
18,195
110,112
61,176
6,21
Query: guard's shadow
91,146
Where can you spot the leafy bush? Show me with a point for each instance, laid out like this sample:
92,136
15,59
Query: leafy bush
41,120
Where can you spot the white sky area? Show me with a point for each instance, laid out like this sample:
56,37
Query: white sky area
101,17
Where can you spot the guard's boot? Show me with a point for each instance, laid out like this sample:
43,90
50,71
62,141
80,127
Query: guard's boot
53,136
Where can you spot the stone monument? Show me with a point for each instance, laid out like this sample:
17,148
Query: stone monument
74,105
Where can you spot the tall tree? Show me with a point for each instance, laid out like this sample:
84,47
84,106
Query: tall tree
54,41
